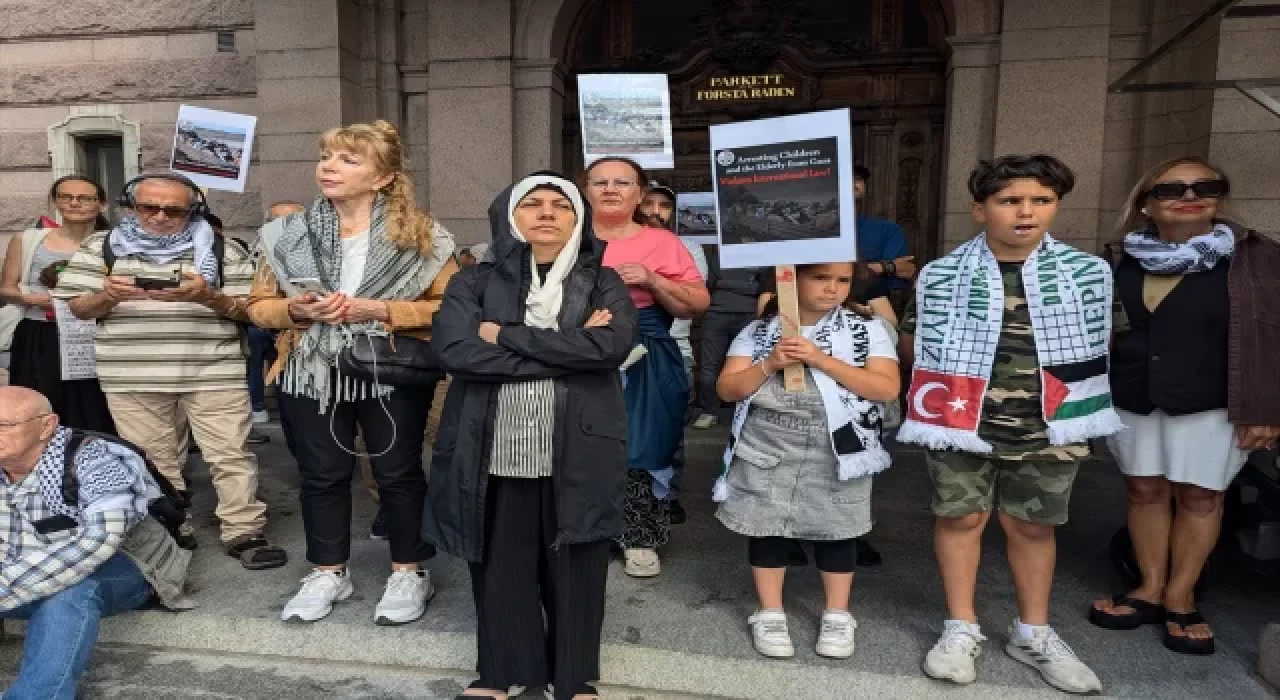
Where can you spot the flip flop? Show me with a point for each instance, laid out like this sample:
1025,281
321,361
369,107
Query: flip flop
1185,644
255,553
1144,613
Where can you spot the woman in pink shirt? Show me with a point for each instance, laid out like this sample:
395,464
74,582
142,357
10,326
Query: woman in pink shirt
665,284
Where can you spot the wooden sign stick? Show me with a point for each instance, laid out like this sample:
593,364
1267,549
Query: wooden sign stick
789,320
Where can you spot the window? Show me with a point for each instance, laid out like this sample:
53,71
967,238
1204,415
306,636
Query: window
226,42
102,158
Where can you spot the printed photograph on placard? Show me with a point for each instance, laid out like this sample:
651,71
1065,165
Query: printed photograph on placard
626,115
212,147
778,192
696,217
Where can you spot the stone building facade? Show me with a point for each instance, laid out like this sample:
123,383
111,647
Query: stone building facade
483,91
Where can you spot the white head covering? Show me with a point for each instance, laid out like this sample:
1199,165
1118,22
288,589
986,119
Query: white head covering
542,306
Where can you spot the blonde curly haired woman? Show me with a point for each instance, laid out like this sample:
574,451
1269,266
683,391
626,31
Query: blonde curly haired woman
361,258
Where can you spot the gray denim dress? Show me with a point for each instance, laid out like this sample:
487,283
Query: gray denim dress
782,482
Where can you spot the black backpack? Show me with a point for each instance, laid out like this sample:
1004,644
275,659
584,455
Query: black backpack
169,510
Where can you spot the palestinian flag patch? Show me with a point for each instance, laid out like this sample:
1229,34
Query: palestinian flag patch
1076,390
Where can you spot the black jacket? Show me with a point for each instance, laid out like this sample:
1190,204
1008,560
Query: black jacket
589,453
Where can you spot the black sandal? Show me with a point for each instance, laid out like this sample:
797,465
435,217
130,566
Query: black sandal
255,553
1144,613
1185,644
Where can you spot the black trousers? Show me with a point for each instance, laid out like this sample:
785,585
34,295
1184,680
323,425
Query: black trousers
831,556
520,579
718,332
327,470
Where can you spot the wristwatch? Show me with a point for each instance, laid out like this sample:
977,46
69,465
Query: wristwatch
888,268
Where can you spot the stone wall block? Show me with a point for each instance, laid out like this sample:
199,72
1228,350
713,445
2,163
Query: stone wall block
138,81
21,19
18,211
24,149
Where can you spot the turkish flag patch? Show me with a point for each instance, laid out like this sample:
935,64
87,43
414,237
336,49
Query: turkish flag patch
945,400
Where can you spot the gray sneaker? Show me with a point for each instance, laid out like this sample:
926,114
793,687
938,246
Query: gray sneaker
1048,654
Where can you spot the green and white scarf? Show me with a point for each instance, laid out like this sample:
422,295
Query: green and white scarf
960,307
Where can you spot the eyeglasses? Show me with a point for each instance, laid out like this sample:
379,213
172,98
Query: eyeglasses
619,184
1203,189
7,425
148,211
77,198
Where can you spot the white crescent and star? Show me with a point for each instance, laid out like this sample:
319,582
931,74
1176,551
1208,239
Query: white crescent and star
957,404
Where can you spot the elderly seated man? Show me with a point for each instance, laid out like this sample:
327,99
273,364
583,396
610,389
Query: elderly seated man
66,566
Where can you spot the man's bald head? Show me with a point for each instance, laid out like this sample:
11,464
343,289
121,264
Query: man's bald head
27,423
285,208
21,403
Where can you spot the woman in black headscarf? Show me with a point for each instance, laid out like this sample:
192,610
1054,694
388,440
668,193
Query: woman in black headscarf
529,468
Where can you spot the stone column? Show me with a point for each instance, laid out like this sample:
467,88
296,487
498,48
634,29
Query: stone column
1245,137
539,100
973,84
1053,97
299,89
470,107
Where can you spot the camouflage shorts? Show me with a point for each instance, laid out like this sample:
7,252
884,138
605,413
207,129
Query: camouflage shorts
1034,491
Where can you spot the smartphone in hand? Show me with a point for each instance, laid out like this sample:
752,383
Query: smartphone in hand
309,284
152,284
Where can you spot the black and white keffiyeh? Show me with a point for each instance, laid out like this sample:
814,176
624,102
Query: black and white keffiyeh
129,239
854,422
308,245
1198,254
111,476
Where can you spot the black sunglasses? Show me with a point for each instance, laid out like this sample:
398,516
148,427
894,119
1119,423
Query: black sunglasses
1203,189
148,211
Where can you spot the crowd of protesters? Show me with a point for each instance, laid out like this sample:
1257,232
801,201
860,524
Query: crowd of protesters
572,376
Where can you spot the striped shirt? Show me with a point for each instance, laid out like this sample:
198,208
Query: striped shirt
523,429
162,346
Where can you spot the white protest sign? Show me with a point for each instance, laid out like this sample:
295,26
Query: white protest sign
784,190
696,217
626,114
212,148
75,343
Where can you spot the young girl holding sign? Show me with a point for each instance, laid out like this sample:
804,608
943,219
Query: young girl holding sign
799,464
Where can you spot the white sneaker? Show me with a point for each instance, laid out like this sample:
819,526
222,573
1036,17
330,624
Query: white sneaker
835,640
641,563
261,417
1048,654
705,421
951,659
769,634
405,598
320,590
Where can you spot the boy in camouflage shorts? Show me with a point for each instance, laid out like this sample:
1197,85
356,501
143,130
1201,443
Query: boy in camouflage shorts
1025,476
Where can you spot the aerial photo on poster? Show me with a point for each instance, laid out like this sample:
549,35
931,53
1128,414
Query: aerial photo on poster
696,217
626,115
784,200
212,147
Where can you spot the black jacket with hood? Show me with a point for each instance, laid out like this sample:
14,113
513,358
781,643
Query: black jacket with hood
589,444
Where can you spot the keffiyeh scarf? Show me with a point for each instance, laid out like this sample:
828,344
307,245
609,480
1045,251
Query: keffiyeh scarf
1199,254
960,302
309,245
129,239
112,477
854,422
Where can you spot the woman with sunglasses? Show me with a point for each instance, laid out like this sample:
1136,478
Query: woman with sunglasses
1196,317
665,284
31,268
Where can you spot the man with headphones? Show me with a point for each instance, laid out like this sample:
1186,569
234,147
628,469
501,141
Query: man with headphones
167,292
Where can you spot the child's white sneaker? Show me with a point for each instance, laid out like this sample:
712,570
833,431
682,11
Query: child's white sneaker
951,659
836,637
769,634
